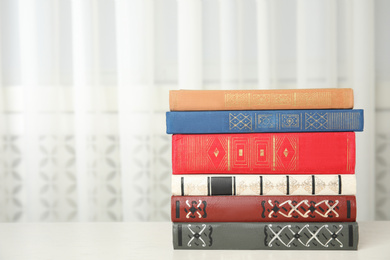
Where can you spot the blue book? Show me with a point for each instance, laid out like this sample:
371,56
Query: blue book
256,121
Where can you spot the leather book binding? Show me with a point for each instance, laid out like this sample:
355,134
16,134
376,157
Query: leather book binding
264,153
327,98
204,122
266,235
263,208
259,185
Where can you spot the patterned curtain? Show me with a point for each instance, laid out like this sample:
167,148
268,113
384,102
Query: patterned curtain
84,90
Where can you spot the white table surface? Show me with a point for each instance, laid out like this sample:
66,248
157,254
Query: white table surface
153,240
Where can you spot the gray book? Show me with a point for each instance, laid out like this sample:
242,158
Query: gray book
266,236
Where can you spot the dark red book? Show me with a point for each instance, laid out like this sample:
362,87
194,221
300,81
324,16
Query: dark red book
264,153
263,208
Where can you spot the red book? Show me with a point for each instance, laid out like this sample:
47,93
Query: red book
263,208
264,153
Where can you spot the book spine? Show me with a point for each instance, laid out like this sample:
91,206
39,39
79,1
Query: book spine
193,100
263,153
264,121
266,235
263,185
263,208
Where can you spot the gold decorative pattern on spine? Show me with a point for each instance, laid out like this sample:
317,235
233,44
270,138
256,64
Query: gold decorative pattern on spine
228,153
265,121
274,153
314,99
344,120
290,121
237,99
261,99
316,120
240,121
347,155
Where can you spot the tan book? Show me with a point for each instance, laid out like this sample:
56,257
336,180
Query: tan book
196,100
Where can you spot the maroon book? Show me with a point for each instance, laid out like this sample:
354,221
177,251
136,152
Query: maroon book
263,208
264,153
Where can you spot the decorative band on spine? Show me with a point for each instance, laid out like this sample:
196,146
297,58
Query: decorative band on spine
288,185
182,186
340,184
261,185
234,185
350,235
179,235
313,185
177,209
208,186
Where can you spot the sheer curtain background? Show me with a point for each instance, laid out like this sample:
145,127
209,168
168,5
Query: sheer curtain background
84,90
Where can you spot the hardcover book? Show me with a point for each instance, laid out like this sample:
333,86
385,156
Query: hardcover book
328,98
263,208
266,235
264,153
264,121
267,185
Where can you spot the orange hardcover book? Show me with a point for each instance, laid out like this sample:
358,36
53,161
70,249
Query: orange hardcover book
196,100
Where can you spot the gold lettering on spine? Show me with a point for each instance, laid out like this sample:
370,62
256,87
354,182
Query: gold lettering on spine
228,154
274,153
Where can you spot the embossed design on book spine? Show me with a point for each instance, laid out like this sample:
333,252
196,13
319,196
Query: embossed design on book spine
200,235
304,208
216,152
237,99
315,236
265,121
196,207
316,99
283,99
261,99
240,121
261,153
286,153
290,120
274,153
316,121
228,154
344,120
347,154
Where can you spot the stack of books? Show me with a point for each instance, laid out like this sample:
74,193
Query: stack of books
264,169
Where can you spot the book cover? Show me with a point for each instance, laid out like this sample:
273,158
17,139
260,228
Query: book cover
259,185
266,235
264,153
263,208
328,98
205,122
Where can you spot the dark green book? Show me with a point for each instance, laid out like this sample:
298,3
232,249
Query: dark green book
266,236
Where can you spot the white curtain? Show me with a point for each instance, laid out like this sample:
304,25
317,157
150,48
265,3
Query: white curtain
84,90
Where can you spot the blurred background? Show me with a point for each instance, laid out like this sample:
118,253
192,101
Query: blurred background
84,90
